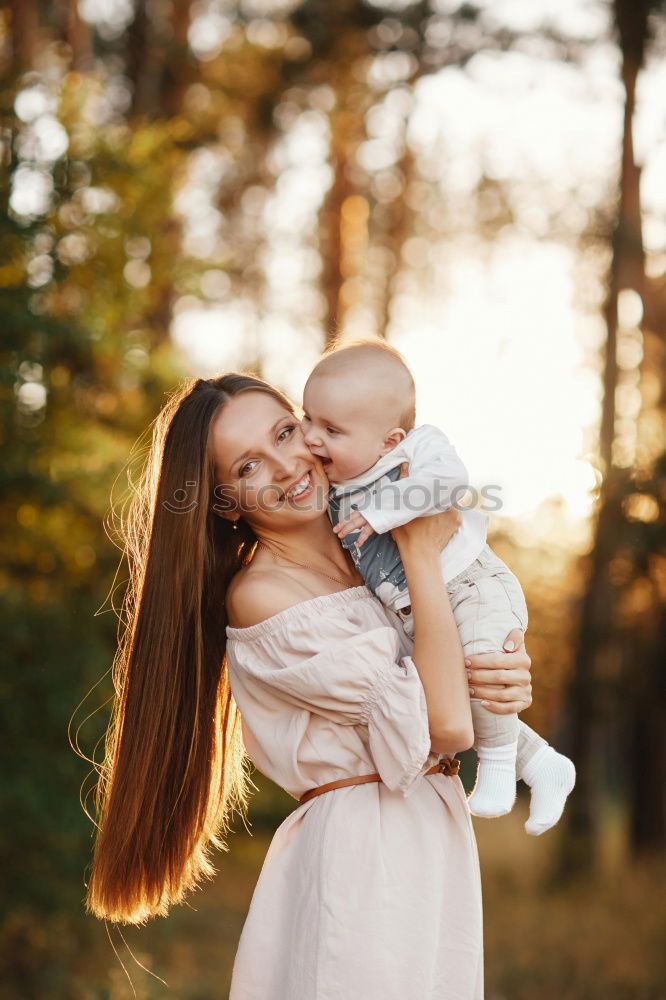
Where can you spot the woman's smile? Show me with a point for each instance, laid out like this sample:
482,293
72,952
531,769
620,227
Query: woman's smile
302,489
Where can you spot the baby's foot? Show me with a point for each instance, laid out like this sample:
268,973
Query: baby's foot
551,777
495,789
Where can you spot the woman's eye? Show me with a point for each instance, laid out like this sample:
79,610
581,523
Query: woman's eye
243,471
287,431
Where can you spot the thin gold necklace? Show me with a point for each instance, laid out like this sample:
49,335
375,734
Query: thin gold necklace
328,576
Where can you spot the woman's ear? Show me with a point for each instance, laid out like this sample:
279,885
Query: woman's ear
228,515
225,504
234,518
392,440
231,517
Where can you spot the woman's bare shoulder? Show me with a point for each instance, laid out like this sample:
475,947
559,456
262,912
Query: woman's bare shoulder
255,594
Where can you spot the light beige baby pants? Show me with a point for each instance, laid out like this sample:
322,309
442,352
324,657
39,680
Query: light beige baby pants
487,602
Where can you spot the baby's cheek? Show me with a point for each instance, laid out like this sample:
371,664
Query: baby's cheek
343,457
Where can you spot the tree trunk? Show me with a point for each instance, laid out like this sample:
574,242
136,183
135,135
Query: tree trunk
599,691
159,68
330,244
591,689
647,741
78,36
397,231
24,33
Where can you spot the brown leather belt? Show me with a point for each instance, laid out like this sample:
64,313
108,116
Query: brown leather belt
448,766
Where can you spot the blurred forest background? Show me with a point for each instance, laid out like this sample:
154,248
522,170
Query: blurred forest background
198,185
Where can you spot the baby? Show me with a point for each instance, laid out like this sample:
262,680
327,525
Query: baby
359,415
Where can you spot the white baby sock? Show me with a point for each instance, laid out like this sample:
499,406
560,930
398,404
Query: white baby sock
551,777
495,789
528,744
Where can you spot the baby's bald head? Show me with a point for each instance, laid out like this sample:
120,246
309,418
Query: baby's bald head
359,403
375,377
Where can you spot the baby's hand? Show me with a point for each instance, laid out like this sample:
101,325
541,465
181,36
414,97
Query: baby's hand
355,522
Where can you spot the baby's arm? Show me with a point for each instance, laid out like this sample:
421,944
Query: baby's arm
437,478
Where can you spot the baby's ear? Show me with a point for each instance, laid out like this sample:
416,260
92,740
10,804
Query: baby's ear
392,440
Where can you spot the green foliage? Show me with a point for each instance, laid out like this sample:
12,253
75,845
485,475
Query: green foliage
50,647
85,365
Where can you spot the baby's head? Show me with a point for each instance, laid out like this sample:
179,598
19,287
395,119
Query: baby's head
359,403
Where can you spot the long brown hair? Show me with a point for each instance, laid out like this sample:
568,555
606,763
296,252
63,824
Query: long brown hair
174,766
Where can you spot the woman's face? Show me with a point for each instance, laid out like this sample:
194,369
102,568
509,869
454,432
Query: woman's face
263,468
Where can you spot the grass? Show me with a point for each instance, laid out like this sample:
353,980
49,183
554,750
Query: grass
601,939
596,940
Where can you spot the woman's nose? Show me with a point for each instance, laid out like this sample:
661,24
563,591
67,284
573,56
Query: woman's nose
285,467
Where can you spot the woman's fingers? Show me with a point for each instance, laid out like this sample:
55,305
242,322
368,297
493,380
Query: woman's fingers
514,646
510,692
481,675
514,640
500,661
404,470
503,679
429,531
507,708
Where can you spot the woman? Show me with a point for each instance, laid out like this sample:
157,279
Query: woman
369,889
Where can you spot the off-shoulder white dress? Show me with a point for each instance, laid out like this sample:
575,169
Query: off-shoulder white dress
368,892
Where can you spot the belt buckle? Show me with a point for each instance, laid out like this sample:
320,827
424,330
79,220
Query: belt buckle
449,766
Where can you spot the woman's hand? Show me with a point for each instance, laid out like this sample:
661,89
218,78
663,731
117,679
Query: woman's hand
502,680
430,532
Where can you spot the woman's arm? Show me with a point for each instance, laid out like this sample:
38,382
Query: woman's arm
437,652
502,680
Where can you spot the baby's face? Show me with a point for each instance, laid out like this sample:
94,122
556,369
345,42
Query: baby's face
340,427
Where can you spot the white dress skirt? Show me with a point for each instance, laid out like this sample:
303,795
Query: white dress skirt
368,892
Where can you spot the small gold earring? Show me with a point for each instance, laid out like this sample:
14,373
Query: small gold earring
235,526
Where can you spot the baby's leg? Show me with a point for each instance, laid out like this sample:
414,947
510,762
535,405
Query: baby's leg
495,736
483,608
550,775
529,744
495,744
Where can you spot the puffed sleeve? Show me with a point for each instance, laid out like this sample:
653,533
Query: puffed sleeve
398,730
354,679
